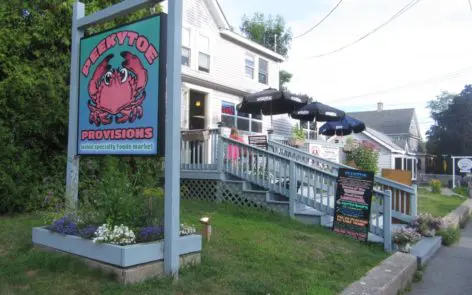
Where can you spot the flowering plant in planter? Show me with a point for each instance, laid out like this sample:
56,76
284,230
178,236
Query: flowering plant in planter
404,238
119,235
426,224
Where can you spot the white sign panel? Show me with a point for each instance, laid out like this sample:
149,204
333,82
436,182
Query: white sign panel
465,165
325,152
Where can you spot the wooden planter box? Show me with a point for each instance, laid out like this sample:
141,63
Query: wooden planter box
120,256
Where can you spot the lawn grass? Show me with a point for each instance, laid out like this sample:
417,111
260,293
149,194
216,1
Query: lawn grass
463,191
251,252
437,204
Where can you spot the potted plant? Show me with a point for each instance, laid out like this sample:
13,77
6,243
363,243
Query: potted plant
298,137
426,224
404,238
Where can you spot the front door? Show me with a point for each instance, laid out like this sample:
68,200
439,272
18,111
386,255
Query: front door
196,122
197,110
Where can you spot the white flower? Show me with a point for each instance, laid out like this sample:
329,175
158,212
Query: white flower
120,235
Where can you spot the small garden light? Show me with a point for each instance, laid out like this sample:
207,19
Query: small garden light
207,227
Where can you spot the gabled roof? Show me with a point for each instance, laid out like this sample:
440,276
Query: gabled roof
387,121
383,140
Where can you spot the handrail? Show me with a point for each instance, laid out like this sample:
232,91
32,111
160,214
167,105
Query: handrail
298,181
379,179
404,197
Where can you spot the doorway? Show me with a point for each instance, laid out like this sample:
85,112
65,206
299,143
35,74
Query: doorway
197,120
197,108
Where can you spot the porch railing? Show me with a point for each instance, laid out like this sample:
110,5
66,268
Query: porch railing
298,181
404,198
198,149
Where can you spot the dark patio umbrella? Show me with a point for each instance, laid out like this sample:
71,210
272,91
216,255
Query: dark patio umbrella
271,102
345,126
316,111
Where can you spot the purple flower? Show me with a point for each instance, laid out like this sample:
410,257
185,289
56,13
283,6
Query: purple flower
150,233
65,225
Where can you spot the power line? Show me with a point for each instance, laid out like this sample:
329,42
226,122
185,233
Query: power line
395,16
448,76
320,22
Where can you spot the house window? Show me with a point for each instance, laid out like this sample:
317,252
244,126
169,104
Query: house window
263,71
250,65
186,52
241,121
309,128
204,54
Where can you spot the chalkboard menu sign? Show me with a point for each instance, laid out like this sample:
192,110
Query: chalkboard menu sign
258,140
353,202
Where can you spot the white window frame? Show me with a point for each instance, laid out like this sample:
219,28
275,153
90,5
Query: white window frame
308,131
259,71
187,46
199,42
253,57
235,118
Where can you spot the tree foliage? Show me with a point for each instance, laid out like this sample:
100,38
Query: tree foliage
271,33
452,132
284,78
34,91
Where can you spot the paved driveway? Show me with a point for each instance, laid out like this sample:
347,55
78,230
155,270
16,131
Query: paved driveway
449,272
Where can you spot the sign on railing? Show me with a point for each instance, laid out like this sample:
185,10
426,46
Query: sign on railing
259,141
353,202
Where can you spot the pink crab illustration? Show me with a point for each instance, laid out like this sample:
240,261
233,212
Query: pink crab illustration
117,92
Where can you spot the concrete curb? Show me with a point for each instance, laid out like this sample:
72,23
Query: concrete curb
460,215
392,275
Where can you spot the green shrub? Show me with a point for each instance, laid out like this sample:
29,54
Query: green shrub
298,133
450,235
436,186
365,157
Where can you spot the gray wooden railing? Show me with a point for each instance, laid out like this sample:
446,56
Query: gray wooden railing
299,181
404,198
198,149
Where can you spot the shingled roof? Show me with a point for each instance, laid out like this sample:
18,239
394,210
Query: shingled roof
387,121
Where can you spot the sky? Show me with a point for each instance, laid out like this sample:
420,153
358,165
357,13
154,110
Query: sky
406,63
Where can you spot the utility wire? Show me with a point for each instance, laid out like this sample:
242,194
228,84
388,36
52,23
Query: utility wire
436,79
320,22
395,16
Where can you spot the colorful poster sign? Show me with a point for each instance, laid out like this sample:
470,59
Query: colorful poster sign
122,90
353,202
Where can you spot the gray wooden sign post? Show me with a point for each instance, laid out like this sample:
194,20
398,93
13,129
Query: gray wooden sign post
80,22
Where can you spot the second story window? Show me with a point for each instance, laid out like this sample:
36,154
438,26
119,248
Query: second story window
186,52
263,71
250,64
204,54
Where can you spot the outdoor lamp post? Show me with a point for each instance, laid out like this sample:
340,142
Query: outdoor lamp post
206,227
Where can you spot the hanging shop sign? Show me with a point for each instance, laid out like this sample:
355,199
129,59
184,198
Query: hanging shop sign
122,90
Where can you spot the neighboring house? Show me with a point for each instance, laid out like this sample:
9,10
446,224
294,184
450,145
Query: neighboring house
219,67
391,156
401,125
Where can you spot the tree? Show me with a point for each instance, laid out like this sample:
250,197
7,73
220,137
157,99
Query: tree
271,33
284,78
34,90
452,132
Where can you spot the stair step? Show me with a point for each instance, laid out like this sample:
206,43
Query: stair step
254,191
425,249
